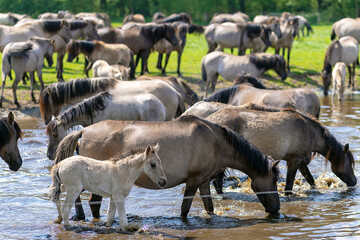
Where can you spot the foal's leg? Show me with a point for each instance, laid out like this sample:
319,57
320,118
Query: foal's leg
111,212
206,196
58,206
71,195
3,80
120,205
95,204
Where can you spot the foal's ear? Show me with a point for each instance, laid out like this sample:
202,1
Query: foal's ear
11,118
346,148
157,147
275,163
148,149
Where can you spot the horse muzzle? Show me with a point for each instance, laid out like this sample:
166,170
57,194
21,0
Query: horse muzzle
162,182
15,166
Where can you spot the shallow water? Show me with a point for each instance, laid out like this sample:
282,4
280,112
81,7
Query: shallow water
330,211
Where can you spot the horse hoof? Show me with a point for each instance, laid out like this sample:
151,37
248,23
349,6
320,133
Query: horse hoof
17,104
58,220
77,218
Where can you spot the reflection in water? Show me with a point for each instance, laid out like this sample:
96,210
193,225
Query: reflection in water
329,211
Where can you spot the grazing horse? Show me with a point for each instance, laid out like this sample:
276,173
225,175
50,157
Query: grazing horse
139,18
228,66
346,27
10,133
192,150
99,50
345,49
59,94
140,39
190,97
102,69
303,22
251,90
25,57
113,178
139,107
37,28
233,35
289,135
338,80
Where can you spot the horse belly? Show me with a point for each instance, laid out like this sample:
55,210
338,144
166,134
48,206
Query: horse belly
228,39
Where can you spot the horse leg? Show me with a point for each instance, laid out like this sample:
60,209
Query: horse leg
293,165
190,190
288,58
350,73
137,59
4,74
159,62
306,173
163,72
283,52
120,205
219,181
206,196
277,50
71,196
353,76
88,68
179,62
95,204
60,67
79,211
39,73
144,58
58,207
32,77
14,87
111,212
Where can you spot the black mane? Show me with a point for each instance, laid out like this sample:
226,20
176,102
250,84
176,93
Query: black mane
243,77
52,25
265,61
222,95
76,24
87,46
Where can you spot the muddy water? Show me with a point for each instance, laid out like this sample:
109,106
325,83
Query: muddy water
330,211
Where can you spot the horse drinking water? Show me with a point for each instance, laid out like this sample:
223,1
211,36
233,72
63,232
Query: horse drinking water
10,133
113,178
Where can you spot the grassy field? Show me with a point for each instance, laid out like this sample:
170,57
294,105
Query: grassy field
306,63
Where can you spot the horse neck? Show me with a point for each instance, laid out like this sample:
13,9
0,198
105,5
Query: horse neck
133,165
77,33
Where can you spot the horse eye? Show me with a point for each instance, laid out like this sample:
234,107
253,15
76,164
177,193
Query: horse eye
153,165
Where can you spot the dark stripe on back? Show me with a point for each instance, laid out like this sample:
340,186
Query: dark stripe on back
52,25
76,24
87,46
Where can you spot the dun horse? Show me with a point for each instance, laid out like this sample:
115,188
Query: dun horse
205,148
228,66
98,50
346,27
338,79
139,107
25,57
345,50
113,178
252,91
292,136
10,133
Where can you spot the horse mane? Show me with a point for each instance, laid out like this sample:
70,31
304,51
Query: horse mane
155,33
87,46
259,107
86,107
189,91
6,131
222,95
264,60
20,51
52,25
248,78
127,156
76,24
327,66
255,160
252,28
57,94
176,17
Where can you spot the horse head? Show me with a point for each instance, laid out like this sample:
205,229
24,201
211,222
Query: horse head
10,133
342,163
170,34
65,32
56,132
280,67
152,165
326,78
265,36
275,27
90,31
73,50
265,187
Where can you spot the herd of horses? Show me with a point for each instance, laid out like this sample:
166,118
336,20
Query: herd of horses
154,132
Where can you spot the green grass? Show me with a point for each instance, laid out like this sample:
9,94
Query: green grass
306,63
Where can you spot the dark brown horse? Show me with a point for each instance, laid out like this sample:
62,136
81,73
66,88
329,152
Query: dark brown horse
10,133
192,150
140,39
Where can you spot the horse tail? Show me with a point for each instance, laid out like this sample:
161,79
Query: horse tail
55,189
203,71
333,34
309,28
181,106
20,51
67,146
132,66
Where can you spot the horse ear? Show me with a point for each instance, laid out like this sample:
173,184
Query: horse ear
11,118
53,117
148,149
157,147
346,148
52,42
275,163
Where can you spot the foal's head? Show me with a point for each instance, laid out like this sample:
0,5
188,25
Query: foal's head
152,165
